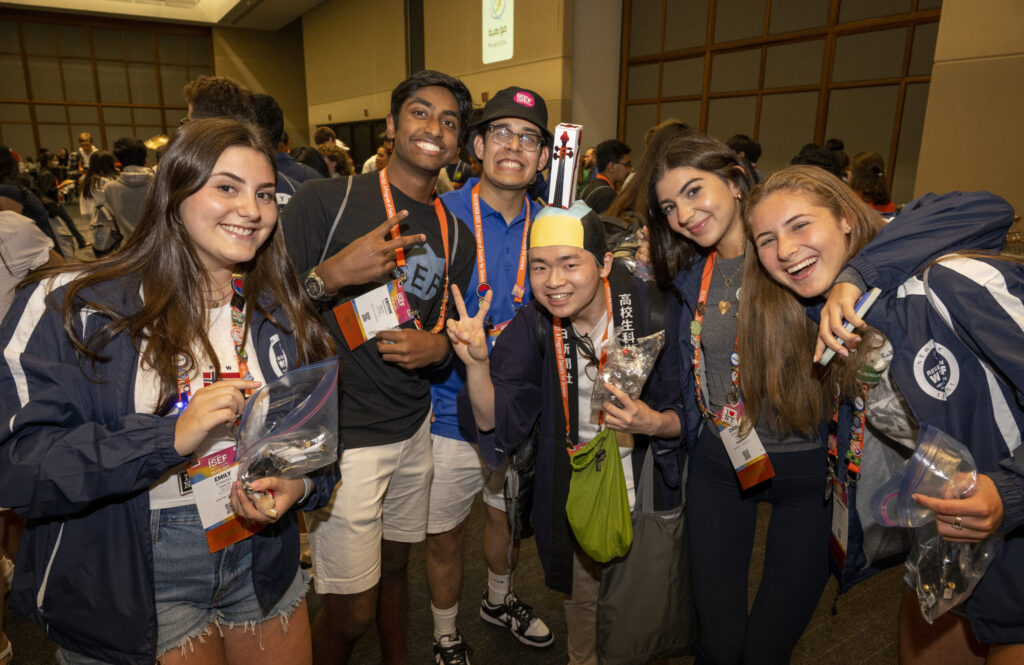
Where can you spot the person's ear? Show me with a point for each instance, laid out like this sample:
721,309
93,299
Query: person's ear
606,265
542,164
390,125
478,147
845,226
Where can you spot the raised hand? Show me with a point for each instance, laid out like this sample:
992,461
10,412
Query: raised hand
284,492
635,417
968,520
841,304
467,334
368,257
220,403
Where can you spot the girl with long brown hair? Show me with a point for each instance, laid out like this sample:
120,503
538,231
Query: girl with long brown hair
696,200
949,340
116,375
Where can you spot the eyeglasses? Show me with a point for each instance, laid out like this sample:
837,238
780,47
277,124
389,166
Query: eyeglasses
586,349
628,165
503,136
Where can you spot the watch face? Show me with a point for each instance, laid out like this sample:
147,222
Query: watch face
314,286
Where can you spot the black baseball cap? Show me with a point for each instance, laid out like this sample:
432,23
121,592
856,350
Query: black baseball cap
519,103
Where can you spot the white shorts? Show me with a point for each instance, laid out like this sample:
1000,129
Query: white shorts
459,473
383,493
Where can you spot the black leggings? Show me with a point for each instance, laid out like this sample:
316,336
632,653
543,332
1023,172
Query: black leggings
722,520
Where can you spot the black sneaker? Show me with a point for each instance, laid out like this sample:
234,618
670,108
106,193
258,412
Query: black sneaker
518,617
451,650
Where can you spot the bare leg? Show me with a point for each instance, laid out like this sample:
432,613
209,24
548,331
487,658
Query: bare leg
497,538
341,621
1005,654
444,566
948,641
392,606
204,650
273,642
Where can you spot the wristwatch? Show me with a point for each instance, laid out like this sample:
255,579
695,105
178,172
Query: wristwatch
314,286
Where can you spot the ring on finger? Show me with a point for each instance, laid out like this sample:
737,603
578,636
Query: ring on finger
958,522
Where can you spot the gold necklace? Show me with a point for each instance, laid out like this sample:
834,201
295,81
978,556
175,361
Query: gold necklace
724,305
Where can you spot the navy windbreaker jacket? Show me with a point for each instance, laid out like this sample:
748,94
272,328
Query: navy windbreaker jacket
77,462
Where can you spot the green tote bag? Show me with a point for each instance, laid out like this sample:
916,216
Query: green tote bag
598,506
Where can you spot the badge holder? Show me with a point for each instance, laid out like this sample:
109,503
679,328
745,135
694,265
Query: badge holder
211,478
384,308
746,452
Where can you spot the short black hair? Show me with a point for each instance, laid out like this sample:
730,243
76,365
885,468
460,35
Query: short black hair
813,154
269,118
130,151
428,78
750,148
835,145
610,151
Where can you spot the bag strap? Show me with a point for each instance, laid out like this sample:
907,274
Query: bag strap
645,489
337,218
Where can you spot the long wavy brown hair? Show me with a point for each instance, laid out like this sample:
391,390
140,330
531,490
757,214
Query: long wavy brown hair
671,252
776,338
160,255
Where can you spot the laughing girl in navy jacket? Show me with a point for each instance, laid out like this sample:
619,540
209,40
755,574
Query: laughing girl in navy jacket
955,331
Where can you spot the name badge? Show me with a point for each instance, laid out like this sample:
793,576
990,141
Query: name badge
746,453
211,478
383,308
840,522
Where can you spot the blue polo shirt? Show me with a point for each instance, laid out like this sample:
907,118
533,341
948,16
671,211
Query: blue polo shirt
502,245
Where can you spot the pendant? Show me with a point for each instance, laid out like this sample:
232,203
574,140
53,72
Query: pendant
723,306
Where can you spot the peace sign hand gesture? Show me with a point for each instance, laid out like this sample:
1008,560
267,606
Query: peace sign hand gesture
467,334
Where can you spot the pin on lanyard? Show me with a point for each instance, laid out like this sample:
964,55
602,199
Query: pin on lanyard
696,328
519,290
563,377
442,220
237,340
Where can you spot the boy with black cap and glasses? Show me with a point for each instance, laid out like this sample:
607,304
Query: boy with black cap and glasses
513,143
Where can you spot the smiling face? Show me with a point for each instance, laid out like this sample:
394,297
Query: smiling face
509,166
567,282
803,246
427,129
233,213
700,205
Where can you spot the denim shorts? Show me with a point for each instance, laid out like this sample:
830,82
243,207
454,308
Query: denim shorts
195,589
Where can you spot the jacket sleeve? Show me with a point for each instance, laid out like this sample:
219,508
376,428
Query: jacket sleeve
982,300
517,367
929,227
663,392
62,449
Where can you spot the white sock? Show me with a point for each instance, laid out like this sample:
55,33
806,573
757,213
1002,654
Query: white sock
444,620
497,587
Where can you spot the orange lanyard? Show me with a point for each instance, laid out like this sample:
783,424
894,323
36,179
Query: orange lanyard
696,327
519,290
442,220
601,177
237,339
563,376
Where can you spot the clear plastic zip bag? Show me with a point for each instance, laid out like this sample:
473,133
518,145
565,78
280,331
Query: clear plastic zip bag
626,367
943,573
289,427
